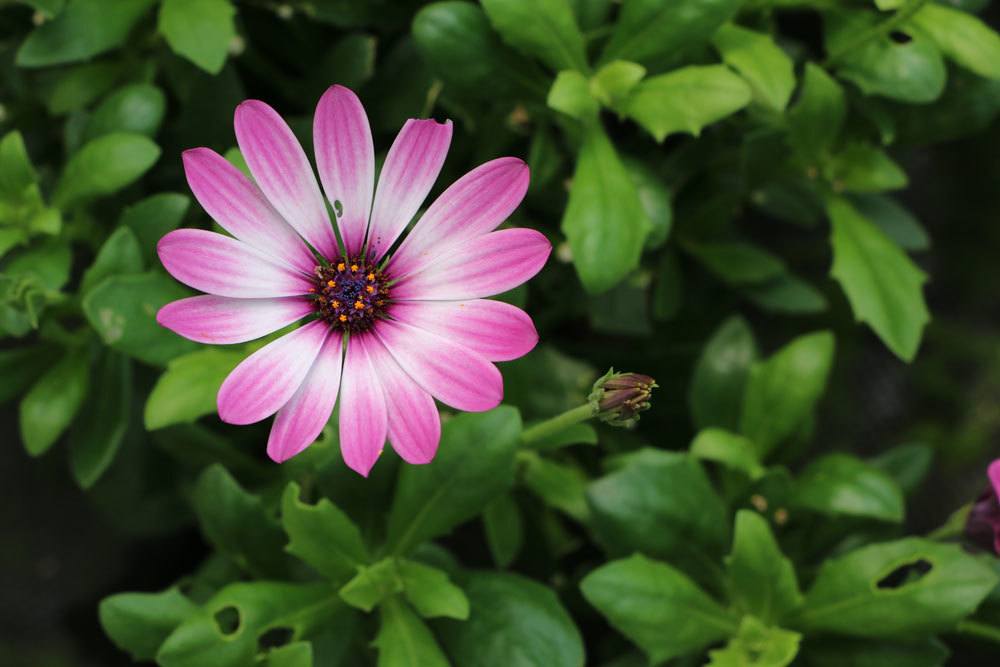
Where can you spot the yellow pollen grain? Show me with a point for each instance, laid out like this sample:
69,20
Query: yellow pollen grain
370,289
336,304
343,318
359,305
371,276
354,267
330,283
341,266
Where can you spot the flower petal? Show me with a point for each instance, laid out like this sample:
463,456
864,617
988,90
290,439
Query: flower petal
414,422
411,167
478,267
281,169
450,372
345,158
363,416
221,320
223,266
993,472
267,379
303,417
241,208
473,205
496,330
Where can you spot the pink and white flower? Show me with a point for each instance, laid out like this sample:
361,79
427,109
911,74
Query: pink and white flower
387,332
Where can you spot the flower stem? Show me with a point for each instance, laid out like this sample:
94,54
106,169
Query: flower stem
560,422
903,14
979,630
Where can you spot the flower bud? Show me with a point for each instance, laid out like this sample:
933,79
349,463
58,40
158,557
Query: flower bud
982,527
620,397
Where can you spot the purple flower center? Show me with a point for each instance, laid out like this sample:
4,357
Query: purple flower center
350,294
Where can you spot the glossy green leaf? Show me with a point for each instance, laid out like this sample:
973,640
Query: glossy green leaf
199,30
20,367
657,607
559,485
962,37
297,654
686,99
151,218
188,388
720,375
544,29
137,108
139,622
731,450
98,433
882,284
840,484
895,221
885,590
120,255
53,401
836,651
786,293
604,220
103,166
815,120
570,94
372,585
864,168
762,579
504,530
404,640
738,263
757,645
907,464
322,535
783,390
613,82
764,65
431,592
474,465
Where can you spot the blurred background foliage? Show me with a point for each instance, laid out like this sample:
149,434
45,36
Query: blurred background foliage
783,210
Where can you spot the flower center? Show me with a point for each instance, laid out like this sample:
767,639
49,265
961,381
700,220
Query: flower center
350,294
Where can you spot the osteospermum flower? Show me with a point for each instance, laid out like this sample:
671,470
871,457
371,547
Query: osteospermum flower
386,328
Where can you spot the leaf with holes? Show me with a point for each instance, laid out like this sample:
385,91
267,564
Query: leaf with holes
962,37
140,622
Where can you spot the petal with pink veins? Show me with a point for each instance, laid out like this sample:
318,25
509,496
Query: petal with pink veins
345,158
450,372
301,420
282,170
220,320
483,266
224,266
242,209
363,415
265,381
411,167
473,205
494,329
414,422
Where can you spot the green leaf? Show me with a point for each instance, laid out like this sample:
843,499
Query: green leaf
404,640
840,484
762,578
187,389
907,464
49,407
504,530
120,255
513,621
199,30
322,535
649,31
559,485
474,465
782,391
544,29
961,37
895,221
431,592
227,631
731,450
864,168
655,199
76,87
882,284
20,367
236,523
98,433
686,99
815,121
660,503
298,654
720,375
577,434
786,294
757,645
912,71
604,220
17,175
764,65
103,166
738,263
46,264
570,94
838,651
151,218
139,622
657,607
122,309
613,82
137,108
885,590
372,585
82,30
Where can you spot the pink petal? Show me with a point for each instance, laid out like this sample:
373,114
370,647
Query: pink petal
414,422
475,204
223,266
241,208
363,417
496,330
993,471
220,320
478,267
303,417
267,379
450,372
411,167
345,157
281,169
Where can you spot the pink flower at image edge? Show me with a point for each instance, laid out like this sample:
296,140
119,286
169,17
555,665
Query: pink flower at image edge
385,334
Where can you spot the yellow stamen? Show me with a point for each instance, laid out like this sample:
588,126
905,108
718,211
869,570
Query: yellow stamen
369,289
354,267
343,318
359,305
371,276
341,266
336,304
330,283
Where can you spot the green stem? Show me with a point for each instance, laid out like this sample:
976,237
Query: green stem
554,425
979,630
902,15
